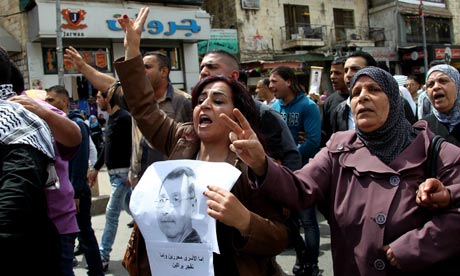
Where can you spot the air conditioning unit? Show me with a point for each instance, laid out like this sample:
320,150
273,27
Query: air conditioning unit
352,34
306,32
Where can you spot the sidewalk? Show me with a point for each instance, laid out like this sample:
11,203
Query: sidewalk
98,220
100,192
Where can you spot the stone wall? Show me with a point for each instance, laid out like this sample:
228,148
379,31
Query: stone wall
259,32
14,22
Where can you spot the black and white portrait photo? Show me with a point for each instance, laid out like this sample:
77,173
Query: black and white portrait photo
175,205
170,209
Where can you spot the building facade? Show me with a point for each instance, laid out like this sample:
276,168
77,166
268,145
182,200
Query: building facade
269,28
402,23
313,32
309,32
92,28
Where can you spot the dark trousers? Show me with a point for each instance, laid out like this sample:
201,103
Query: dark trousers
307,250
67,245
309,223
86,237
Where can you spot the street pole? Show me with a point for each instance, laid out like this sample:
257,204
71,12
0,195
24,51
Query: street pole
425,53
59,54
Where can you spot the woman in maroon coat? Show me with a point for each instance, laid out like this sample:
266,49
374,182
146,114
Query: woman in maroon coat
365,181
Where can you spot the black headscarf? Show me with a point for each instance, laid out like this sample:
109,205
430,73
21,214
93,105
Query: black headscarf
388,141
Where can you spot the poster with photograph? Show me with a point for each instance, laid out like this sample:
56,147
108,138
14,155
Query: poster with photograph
315,79
170,209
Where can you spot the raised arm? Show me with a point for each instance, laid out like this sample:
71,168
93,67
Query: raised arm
159,130
98,79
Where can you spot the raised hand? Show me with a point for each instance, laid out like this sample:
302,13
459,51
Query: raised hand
432,194
244,142
72,55
133,32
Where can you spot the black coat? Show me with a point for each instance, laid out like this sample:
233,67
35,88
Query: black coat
440,129
29,241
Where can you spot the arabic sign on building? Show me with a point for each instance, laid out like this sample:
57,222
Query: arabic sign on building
222,39
98,20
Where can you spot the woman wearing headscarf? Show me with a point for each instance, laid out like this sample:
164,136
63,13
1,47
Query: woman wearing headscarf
96,133
443,88
365,181
29,241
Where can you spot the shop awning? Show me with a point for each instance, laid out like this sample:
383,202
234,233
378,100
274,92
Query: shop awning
9,42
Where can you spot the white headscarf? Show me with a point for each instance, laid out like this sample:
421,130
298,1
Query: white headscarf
452,117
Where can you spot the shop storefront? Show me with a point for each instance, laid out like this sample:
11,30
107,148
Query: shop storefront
412,58
92,28
412,61
449,54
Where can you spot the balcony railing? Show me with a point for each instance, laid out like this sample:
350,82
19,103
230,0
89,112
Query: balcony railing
303,31
348,34
310,36
301,36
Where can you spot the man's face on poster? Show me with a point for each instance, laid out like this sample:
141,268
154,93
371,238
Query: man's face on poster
175,205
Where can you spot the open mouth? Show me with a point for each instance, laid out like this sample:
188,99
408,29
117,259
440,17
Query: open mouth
205,120
364,110
438,96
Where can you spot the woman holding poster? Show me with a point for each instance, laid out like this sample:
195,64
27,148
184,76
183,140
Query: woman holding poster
250,228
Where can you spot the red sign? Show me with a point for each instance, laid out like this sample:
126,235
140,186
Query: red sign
440,53
73,19
413,55
101,59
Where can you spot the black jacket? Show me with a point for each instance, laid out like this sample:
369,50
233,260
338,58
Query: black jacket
78,165
440,129
29,241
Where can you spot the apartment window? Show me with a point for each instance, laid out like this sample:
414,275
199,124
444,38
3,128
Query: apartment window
437,30
296,19
343,20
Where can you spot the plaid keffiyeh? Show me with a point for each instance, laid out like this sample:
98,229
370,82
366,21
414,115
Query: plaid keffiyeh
6,91
18,126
